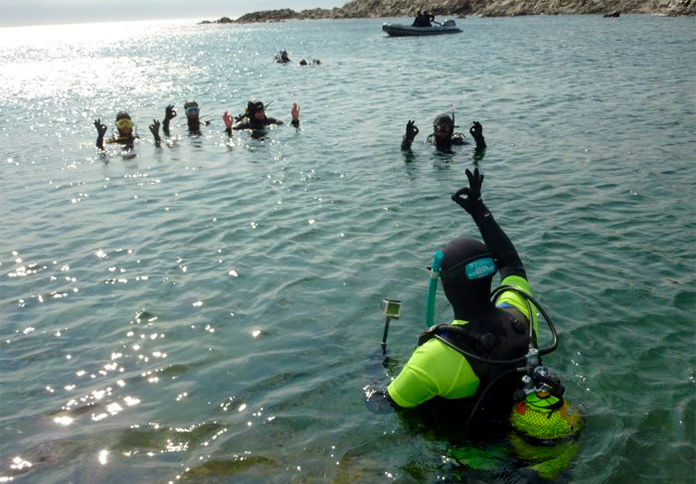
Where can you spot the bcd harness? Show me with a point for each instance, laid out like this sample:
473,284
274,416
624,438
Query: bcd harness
488,344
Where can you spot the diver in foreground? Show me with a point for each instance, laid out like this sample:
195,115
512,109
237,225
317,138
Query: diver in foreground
485,366
444,136
496,331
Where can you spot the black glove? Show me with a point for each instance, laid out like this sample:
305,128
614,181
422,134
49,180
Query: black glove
101,131
476,130
473,202
378,400
169,113
154,129
101,128
411,130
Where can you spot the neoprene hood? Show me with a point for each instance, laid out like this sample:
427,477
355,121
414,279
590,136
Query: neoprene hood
467,272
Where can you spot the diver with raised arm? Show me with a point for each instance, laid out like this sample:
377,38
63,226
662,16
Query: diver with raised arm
497,330
485,366
193,119
125,134
254,118
444,136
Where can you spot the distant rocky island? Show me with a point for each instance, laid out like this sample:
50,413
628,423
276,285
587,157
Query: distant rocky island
483,8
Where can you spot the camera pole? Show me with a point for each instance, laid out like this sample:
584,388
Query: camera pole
384,335
391,308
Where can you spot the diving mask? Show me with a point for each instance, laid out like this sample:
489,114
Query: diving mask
124,123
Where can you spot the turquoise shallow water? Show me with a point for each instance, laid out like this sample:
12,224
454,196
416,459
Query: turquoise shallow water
206,311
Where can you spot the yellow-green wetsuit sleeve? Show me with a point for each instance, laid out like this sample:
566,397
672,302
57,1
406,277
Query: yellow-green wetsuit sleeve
434,369
514,299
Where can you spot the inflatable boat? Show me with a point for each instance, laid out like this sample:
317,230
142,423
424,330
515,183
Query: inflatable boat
400,30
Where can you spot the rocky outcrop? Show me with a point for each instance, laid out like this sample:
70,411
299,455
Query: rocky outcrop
223,20
484,8
269,16
566,7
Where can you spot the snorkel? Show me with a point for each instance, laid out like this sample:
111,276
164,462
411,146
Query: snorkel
252,107
432,289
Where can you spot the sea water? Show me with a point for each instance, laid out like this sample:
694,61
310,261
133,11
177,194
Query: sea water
209,310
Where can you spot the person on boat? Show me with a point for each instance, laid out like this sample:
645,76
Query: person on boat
418,21
281,57
254,118
444,136
423,19
193,120
125,133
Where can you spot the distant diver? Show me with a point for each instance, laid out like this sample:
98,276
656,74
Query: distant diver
193,119
443,135
310,62
281,57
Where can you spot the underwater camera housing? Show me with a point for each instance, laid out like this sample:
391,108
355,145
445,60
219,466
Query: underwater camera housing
391,308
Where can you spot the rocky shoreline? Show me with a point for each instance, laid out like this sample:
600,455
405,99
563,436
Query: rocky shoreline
483,8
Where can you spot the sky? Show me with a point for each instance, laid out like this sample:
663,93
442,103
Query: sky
41,12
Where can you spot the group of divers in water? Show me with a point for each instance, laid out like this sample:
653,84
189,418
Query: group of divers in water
254,118
482,370
282,57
